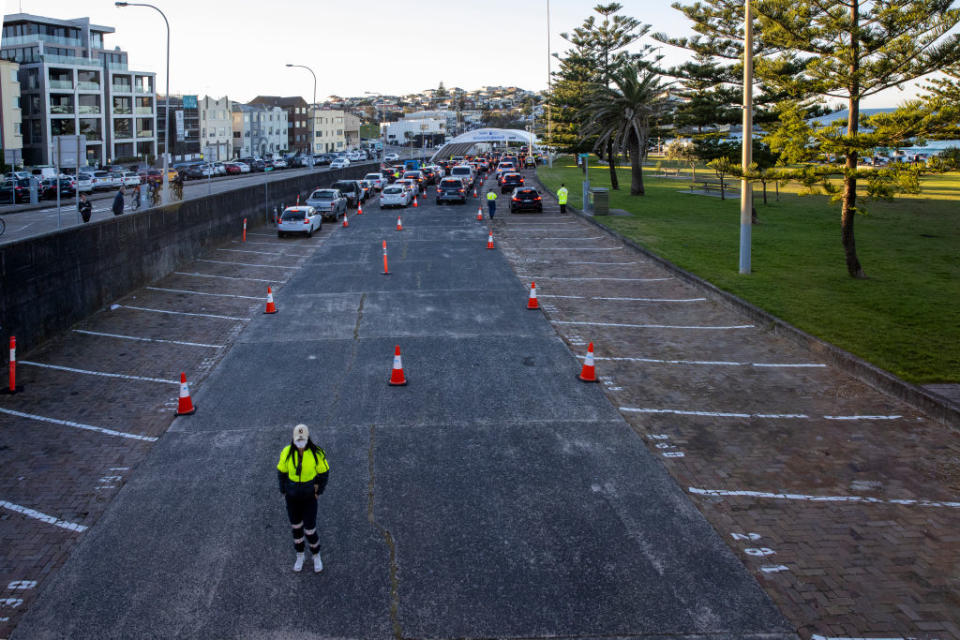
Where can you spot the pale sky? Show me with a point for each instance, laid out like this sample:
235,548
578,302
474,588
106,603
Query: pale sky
239,48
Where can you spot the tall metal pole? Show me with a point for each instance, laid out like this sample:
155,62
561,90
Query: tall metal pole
746,189
313,110
549,93
165,191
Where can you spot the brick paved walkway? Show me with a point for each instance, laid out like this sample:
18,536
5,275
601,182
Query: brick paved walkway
853,524
116,371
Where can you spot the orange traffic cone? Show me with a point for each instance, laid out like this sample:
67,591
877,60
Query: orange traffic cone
475,193
479,214
532,300
399,224
359,209
415,205
490,239
271,308
397,378
345,223
589,372
185,405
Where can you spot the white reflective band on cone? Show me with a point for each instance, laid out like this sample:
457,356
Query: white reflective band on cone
589,359
184,390
397,364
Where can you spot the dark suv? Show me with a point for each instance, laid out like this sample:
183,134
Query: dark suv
351,191
510,181
451,189
526,199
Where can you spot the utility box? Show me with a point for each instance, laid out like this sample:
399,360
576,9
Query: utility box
600,201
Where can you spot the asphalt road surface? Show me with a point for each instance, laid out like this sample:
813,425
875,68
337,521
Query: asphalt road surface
494,496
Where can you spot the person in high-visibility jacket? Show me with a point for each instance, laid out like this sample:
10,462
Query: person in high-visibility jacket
491,203
562,198
302,472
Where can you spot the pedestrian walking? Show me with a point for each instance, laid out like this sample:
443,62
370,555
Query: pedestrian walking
491,203
302,472
135,198
118,202
562,197
84,207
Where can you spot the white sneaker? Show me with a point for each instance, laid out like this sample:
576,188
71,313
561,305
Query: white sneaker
298,565
317,563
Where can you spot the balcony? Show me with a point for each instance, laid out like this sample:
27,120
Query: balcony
92,135
144,111
61,110
60,84
89,86
121,88
144,133
140,89
122,66
71,60
122,111
89,109
16,41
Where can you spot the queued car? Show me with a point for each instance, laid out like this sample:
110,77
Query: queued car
280,163
329,202
410,185
368,189
376,179
233,169
391,157
526,199
48,188
198,172
13,191
350,190
130,179
340,163
85,182
451,190
510,181
299,219
395,195
465,172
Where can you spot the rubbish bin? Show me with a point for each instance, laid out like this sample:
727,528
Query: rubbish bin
600,201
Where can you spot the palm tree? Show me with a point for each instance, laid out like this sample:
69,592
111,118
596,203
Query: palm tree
622,114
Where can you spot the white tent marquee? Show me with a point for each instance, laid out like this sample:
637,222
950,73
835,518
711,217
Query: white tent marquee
462,144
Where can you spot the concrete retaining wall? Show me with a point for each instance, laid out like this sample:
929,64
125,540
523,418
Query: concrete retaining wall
50,282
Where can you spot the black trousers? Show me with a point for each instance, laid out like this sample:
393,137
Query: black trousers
302,512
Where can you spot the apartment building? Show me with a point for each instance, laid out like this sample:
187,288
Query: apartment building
259,131
216,128
429,131
298,119
337,130
70,83
10,117
184,131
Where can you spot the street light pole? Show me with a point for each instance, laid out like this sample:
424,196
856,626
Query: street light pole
746,189
165,191
313,109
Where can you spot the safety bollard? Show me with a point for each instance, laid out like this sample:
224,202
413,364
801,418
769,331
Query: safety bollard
13,388
386,271
244,229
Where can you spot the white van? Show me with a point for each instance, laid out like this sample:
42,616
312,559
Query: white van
465,172
44,172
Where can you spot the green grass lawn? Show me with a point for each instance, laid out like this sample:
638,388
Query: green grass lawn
904,318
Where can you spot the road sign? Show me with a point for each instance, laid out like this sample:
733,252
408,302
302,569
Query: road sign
69,151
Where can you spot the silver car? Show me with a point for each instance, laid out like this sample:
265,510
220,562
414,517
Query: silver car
329,202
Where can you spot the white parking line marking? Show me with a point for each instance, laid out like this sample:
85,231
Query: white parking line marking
612,279
655,326
207,275
813,498
180,313
122,337
862,417
21,584
602,262
97,373
568,297
565,238
817,636
202,293
654,299
11,602
245,264
703,362
570,248
78,425
717,414
774,569
31,513
262,253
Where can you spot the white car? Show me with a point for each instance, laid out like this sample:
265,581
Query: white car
340,163
300,219
391,157
280,163
410,185
395,195
219,169
244,167
354,156
85,182
377,179
130,179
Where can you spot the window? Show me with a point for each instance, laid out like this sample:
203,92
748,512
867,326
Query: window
13,75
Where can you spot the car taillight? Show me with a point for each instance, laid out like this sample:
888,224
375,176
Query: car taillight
516,199
537,198
306,221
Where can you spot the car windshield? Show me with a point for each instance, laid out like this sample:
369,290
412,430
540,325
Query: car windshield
344,186
324,194
460,171
372,176
452,184
527,193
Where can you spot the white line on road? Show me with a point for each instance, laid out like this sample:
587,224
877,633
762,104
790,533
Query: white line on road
704,362
122,337
262,253
654,299
567,297
655,326
817,636
180,313
814,498
525,277
78,425
209,275
601,262
18,585
97,373
570,248
31,513
566,238
245,264
203,293
777,416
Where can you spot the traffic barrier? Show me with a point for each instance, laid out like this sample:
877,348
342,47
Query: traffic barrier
13,388
397,379
589,372
532,302
490,239
399,223
185,405
244,229
271,308
386,271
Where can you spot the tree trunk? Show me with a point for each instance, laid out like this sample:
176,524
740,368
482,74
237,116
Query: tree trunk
849,207
611,160
764,192
636,168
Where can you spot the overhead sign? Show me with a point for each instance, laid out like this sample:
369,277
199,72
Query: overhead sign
178,116
189,102
70,151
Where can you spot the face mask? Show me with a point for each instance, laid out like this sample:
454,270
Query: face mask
300,443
